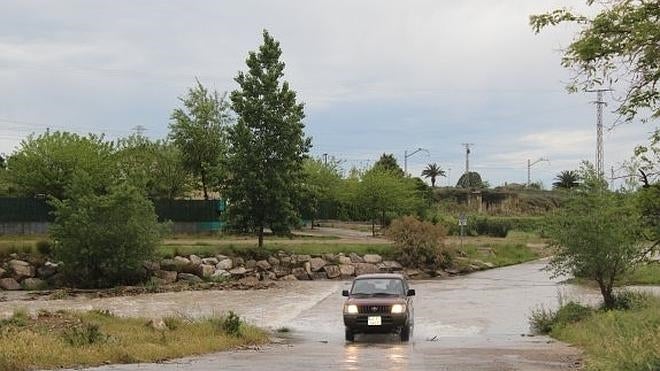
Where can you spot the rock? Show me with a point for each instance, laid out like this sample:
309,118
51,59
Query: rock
316,264
21,269
300,273
267,275
210,261
167,276
289,277
332,271
225,264
331,258
365,268
157,324
286,261
9,284
346,270
489,265
221,257
182,260
2,272
273,260
238,261
319,275
189,278
33,284
220,274
250,264
441,273
238,271
168,265
249,281
150,265
344,260
355,258
390,266
195,260
205,270
264,265
308,268
372,258
452,271
412,272
303,258
281,271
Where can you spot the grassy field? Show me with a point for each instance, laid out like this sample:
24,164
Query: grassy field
617,339
67,339
645,274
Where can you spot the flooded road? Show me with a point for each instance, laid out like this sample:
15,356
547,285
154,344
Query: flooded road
473,322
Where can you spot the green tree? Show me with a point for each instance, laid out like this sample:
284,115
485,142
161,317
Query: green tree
198,130
566,179
320,186
380,192
388,162
103,238
619,45
597,234
648,158
433,171
267,145
470,180
46,164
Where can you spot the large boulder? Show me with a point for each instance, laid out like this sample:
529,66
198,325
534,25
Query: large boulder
344,260
319,275
372,258
168,265
250,264
150,265
273,260
302,258
238,271
268,275
210,261
286,261
300,273
205,270
346,270
238,261
365,268
167,276
329,257
220,275
332,271
195,260
316,264
355,258
249,281
189,278
9,284
33,284
48,269
2,272
225,264
263,265
21,269
281,271
390,266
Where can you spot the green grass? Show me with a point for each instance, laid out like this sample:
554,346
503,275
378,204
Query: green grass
68,339
646,274
502,254
617,339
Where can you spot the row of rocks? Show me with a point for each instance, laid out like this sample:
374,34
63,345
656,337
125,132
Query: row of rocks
18,274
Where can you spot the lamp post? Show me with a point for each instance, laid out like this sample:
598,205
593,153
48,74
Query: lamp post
529,168
407,155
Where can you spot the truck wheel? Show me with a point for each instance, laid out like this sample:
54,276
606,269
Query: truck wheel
350,336
405,333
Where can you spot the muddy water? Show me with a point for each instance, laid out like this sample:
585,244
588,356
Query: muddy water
463,323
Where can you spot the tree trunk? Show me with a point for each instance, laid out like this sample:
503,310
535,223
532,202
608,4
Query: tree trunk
261,236
373,227
206,195
312,221
606,292
433,182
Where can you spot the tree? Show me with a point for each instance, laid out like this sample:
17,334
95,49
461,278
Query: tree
619,45
320,186
596,235
46,164
267,145
103,238
470,180
198,130
388,162
648,158
567,179
433,171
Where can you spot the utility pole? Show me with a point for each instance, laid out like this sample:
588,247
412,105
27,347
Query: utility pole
599,102
529,168
448,177
139,130
325,159
406,155
467,156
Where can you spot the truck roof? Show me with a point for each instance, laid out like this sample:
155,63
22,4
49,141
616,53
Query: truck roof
380,275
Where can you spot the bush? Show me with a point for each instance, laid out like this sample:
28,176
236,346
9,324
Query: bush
418,243
627,300
229,324
86,334
544,321
104,239
44,247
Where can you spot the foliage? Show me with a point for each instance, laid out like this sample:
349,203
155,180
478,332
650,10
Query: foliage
46,164
85,334
321,184
621,44
198,130
649,159
103,239
543,321
44,247
596,235
387,162
231,324
419,243
433,171
470,180
566,179
267,145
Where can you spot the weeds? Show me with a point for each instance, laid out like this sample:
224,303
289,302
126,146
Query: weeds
87,334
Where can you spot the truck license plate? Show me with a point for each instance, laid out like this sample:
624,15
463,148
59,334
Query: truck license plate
374,321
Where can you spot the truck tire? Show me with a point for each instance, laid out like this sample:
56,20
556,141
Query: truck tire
350,336
405,333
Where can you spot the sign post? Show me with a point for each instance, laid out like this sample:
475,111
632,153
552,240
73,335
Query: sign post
462,222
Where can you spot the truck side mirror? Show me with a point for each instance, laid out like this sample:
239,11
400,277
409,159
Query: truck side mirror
411,292
344,293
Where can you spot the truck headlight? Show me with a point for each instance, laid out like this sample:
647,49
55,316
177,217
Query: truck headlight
351,309
398,308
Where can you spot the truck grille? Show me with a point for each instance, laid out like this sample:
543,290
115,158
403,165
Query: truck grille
374,309
385,320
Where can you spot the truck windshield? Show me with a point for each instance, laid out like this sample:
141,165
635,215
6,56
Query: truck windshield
377,286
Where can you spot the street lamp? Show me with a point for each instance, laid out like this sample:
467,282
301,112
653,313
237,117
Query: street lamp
407,155
529,168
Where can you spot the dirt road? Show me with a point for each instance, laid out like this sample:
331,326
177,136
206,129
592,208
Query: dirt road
473,322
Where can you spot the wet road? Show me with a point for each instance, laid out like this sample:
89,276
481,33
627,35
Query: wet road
471,322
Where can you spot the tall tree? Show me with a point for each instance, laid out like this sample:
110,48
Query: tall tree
620,45
566,179
267,145
388,162
433,171
320,186
198,129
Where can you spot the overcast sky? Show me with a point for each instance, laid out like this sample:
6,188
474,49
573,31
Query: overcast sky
376,76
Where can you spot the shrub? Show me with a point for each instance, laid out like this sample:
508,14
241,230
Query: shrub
44,247
541,320
104,239
544,321
627,300
87,334
418,243
231,324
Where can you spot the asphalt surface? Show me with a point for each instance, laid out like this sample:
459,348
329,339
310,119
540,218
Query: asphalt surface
473,322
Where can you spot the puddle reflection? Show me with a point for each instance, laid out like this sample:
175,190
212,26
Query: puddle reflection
373,349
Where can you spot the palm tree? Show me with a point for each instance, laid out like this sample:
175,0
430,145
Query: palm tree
566,179
432,171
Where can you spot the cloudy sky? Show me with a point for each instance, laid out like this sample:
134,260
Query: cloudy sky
376,76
